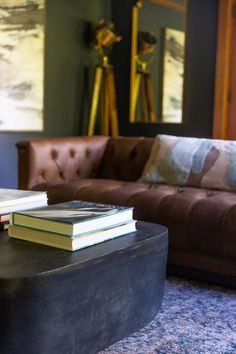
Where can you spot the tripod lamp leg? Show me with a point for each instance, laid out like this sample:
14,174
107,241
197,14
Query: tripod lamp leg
150,97
105,104
112,103
143,100
95,99
135,94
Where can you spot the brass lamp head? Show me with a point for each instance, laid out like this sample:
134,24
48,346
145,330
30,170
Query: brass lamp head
146,46
105,36
146,43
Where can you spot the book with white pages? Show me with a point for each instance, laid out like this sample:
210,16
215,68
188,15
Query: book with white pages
70,243
73,217
24,206
11,197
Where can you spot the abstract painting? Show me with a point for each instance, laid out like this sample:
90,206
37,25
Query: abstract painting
173,74
21,64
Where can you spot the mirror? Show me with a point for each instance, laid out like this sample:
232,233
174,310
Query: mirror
157,61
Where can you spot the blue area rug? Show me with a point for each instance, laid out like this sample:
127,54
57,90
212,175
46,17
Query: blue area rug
195,318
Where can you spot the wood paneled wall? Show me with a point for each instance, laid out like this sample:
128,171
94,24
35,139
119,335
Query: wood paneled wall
224,126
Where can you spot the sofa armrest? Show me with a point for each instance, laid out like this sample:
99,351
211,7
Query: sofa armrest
50,161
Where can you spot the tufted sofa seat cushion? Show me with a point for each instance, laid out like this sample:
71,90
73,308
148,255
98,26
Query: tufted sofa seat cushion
103,190
198,220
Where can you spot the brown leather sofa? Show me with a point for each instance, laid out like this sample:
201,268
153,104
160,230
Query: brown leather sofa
201,223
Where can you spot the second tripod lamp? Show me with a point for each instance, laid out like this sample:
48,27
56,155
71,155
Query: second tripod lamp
143,88
104,91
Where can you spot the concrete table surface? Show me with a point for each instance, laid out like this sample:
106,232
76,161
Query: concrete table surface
55,301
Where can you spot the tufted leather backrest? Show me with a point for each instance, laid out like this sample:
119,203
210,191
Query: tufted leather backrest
125,158
57,160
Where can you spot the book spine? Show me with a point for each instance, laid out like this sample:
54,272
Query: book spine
4,226
4,217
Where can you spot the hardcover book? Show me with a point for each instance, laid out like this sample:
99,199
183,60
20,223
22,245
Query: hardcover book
9,197
73,217
70,243
4,217
4,226
23,206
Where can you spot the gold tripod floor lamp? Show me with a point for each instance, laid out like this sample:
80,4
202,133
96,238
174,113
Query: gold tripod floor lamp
104,89
143,88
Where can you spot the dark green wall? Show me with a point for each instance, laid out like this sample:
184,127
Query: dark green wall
69,67
200,71
70,62
68,70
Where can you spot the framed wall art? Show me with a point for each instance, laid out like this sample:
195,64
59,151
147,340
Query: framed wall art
21,64
173,75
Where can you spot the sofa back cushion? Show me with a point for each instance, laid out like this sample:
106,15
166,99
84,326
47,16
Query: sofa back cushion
54,160
206,163
125,158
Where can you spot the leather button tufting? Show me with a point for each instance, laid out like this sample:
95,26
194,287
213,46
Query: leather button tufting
78,172
61,174
180,190
54,154
133,153
72,153
210,194
88,152
43,174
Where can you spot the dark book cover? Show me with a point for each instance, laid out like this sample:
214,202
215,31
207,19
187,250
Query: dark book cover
73,212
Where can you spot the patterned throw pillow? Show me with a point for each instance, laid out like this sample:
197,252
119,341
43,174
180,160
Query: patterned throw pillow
196,162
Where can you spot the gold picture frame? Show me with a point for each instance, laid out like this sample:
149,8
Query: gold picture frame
22,24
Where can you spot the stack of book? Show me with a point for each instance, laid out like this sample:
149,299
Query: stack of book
15,200
72,225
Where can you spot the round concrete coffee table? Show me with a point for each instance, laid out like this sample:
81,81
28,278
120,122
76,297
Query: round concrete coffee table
54,301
